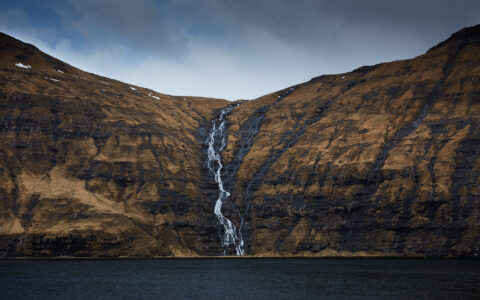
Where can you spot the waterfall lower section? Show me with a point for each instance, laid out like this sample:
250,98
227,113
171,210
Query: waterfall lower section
216,143
231,235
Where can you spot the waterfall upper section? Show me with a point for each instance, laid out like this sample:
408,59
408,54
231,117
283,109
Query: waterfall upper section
216,143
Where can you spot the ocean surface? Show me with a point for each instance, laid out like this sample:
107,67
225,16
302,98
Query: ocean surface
292,278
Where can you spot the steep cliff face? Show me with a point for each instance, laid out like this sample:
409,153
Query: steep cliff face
384,160
93,166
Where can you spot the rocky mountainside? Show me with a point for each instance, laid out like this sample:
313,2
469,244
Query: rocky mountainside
93,166
384,160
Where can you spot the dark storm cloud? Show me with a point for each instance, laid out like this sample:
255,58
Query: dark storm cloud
232,48
316,22
140,25
165,26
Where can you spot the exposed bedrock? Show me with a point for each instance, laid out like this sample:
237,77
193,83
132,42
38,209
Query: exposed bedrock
365,163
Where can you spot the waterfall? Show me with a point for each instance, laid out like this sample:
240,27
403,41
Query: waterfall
216,144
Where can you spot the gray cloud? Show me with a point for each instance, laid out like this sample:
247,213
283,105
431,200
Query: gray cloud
299,20
139,25
167,26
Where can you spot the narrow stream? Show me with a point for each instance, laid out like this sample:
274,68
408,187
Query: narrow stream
216,144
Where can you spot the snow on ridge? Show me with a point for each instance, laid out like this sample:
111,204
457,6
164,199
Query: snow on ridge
155,97
52,79
20,65
133,89
60,71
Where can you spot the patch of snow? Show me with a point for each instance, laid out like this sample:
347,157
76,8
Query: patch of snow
20,65
155,97
60,71
52,79
132,88
343,77
105,83
104,90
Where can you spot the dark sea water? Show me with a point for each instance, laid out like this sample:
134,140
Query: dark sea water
240,278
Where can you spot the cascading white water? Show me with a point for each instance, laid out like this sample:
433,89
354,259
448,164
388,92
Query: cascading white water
216,143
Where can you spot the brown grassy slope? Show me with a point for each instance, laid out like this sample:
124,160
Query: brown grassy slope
382,160
94,166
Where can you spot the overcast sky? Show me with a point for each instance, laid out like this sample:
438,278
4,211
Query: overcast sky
232,49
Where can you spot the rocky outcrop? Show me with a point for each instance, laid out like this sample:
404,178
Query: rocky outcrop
383,160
